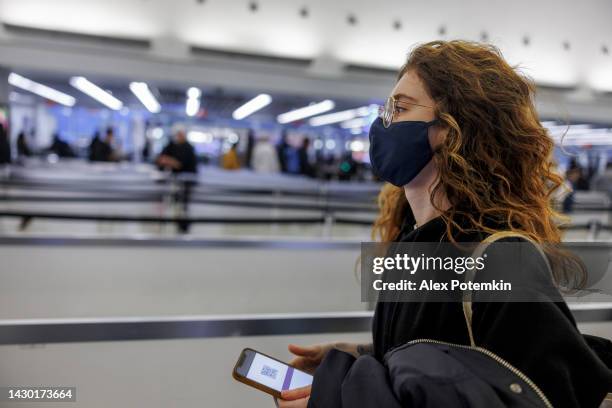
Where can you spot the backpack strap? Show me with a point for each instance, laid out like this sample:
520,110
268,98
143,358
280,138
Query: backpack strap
470,273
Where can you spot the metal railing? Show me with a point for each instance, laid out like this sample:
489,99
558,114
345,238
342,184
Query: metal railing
31,331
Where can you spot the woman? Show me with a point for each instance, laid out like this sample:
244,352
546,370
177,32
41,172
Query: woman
461,145
230,160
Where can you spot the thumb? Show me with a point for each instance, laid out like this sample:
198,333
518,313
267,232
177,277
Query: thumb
296,393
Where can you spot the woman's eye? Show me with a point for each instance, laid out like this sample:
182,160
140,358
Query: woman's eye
399,110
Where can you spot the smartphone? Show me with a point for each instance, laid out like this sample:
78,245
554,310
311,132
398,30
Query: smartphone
268,374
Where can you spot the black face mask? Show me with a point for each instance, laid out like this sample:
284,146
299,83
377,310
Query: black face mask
398,153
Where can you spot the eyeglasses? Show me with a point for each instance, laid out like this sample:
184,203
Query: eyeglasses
387,112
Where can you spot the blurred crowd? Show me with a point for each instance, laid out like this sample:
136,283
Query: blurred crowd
179,155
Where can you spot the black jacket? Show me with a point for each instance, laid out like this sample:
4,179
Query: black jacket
185,154
422,375
539,339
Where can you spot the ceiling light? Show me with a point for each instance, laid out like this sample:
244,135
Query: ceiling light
144,94
252,106
192,105
41,90
306,111
93,90
341,116
195,136
357,122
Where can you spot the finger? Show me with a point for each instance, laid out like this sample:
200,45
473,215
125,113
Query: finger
300,403
298,362
301,362
308,351
305,365
296,393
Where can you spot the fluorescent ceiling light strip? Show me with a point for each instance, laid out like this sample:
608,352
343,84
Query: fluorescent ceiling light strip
195,136
572,132
192,105
341,116
306,111
582,133
599,138
333,118
89,88
252,106
41,90
357,122
194,93
143,93
563,128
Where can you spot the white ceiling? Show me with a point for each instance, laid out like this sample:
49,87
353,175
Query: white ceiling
277,28
325,37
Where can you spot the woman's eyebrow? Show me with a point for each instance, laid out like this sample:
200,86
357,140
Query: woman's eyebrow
404,96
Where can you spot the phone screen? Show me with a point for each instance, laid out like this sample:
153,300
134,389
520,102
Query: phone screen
272,373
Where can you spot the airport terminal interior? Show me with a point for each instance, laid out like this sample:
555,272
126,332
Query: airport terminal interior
183,179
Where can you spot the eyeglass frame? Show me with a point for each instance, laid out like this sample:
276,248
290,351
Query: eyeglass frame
391,101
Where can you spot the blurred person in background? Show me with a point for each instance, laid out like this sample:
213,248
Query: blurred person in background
572,177
178,155
230,161
23,146
575,180
248,155
306,168
103,150
347,168
91,150
594,160
59,147
5,147
265,156
146,151
282,149
579,180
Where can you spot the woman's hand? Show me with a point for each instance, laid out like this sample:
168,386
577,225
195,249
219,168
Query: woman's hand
296,398
309,357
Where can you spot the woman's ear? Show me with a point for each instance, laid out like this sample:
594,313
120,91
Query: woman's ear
437,135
